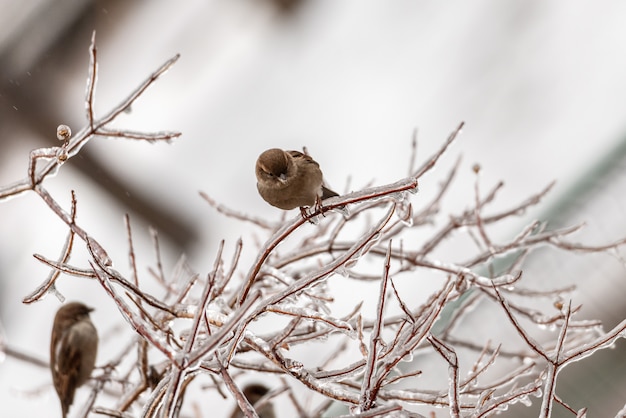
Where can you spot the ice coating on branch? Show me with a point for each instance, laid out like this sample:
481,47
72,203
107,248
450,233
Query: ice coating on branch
187,310
53,290
351,263
279,274
362,251
264,345
408,357
293,365
343,210
402,197
404,211
62,155
397,197
98,252
600,343
342,271
64,133
215,316
182,359
221,304
395,191
316,316
526,400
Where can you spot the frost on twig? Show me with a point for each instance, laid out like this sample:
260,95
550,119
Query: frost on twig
96,127
254,319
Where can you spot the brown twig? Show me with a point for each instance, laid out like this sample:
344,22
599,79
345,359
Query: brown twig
217,338
369,389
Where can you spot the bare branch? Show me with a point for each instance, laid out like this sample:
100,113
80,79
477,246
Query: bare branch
208,324
369,390
453,375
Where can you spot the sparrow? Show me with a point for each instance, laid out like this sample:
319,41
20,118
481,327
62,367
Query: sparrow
253,393
73,350
290,179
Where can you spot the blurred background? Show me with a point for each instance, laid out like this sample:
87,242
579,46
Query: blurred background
540,85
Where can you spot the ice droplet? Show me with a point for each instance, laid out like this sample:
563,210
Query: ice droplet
342,271
537,393
398,197
408,357
404,212
407,221
99,252
293,365
63,132
62,155
343,210
542,324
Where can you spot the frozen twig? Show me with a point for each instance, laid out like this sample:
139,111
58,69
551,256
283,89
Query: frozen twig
369,389
48,285
428,165
368,366
241,399
96,127
226,211
453,375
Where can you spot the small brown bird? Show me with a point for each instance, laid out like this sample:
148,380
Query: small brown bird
73,350
290,179
253,393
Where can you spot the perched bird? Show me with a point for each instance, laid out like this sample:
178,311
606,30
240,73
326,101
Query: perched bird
73,350
253,392
290,179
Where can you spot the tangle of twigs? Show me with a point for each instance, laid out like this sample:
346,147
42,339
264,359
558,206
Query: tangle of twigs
375,356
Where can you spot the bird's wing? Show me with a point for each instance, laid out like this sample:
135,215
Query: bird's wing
66,370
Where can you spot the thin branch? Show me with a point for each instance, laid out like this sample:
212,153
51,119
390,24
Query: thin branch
369,390
163,136
534,345
49,283
226,211
433,160
81,138
453,373
91,80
